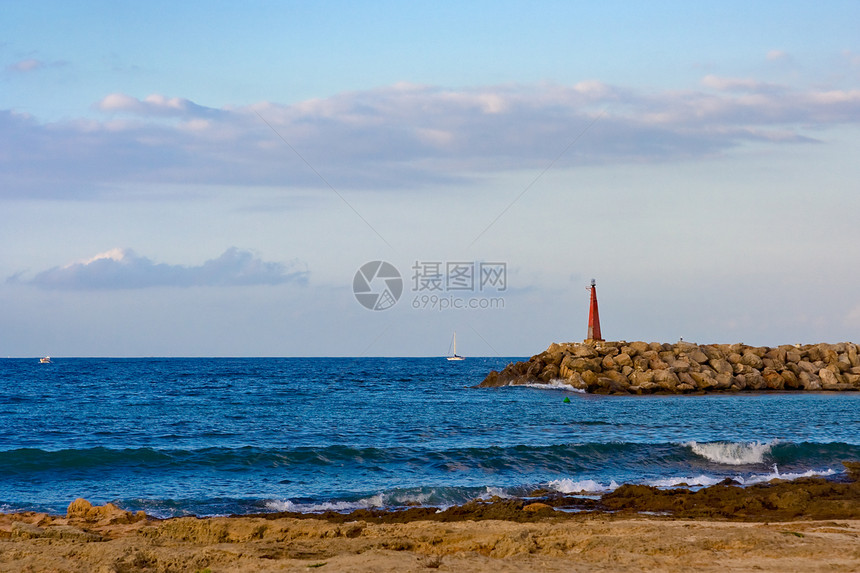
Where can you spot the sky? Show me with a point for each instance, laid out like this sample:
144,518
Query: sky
212,179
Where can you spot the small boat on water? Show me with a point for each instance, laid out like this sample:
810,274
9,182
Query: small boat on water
45,360
453,349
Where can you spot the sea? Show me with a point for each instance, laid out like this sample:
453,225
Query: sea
220,436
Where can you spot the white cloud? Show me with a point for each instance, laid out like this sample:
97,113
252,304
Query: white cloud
403,136
119,102
115,254
776,55
152,105
124,269
32,65
27,65
828,98
739,85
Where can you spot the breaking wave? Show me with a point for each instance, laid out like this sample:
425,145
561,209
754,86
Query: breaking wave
584,486
733,453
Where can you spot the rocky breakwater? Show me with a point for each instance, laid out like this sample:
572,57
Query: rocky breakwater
686,368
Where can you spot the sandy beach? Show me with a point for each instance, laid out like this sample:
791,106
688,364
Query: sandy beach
589,543
807,525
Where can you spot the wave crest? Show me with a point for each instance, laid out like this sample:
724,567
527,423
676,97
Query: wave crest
372,502
733,453
568,485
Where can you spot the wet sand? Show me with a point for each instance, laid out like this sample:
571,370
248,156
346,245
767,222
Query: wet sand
806,525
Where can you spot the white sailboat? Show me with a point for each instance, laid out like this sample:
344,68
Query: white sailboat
453,350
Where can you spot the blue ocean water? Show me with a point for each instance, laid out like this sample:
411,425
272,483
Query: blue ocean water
203,436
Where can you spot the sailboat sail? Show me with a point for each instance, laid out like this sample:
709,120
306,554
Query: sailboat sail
453,354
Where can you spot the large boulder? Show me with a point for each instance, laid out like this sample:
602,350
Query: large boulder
721,366
777,354
638,347
853,356
555,353
642,378
641,363
755,381
793,355
585,351
618,383
550,373
535,368
752,360
713,352
577,382
666,380
830,380
623,359
772,379
808,367
809,381
724,381
791,380
608,363
697,356
589,377
773,363
814,353
83,510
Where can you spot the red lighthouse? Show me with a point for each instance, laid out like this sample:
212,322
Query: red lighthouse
593,318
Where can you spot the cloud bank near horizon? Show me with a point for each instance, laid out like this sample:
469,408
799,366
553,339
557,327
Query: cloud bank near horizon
120,269
402,136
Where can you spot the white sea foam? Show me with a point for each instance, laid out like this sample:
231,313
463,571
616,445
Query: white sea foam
340,506
698,481
732,453
705,481
789,476
565,486
495,492
410,498
568,485
381,500
554,384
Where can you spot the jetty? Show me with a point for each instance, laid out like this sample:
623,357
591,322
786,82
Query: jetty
602,367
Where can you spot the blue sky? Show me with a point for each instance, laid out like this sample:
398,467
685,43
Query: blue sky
207,179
